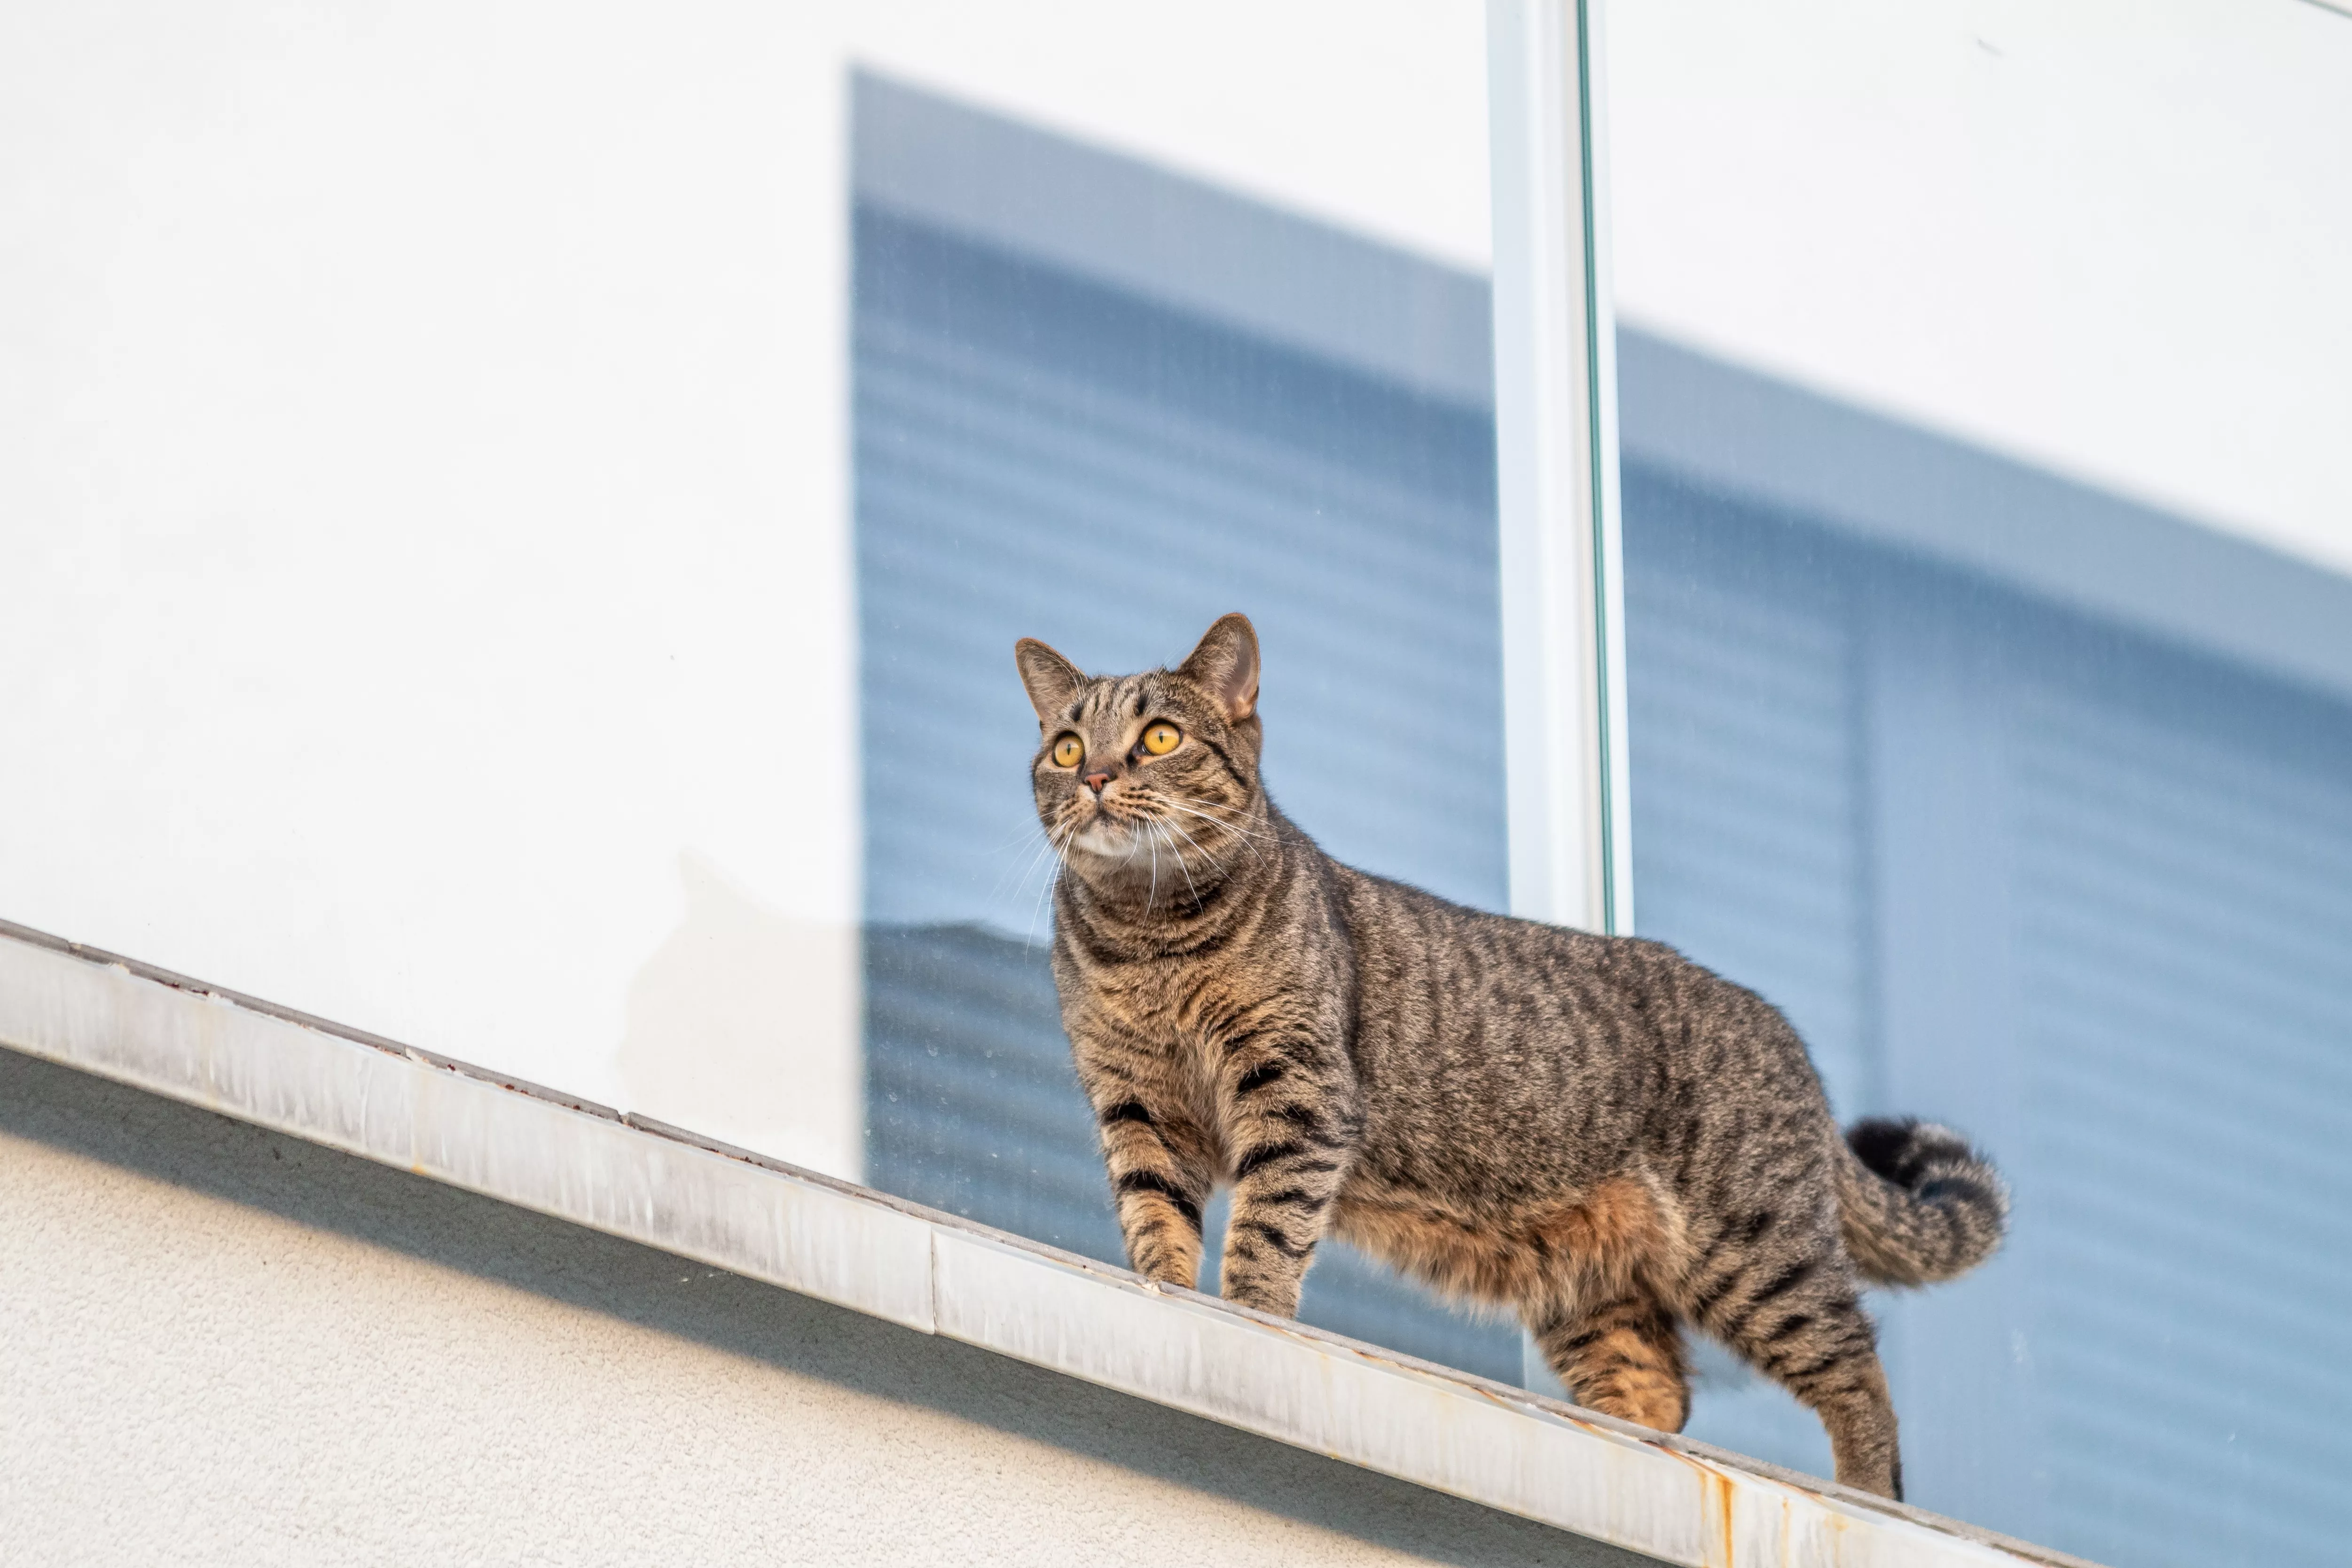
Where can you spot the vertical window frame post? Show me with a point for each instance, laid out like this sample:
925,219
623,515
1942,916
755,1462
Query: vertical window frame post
1556,449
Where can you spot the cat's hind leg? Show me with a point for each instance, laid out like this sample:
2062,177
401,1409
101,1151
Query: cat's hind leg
1621,1355
1793,1315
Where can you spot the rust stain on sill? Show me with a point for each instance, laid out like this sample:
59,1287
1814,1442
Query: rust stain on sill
1717,1492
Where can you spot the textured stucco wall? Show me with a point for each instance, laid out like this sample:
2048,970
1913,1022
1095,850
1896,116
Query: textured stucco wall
218,1344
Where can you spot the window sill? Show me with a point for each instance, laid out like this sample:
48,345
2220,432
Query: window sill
1671,1498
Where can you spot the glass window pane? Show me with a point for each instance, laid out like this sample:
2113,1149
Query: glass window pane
1989,599
1064,431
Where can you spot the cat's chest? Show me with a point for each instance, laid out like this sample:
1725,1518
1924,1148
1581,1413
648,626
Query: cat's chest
1177,1015
1183,1016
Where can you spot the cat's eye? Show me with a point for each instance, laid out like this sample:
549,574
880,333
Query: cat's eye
1067,751
1161,739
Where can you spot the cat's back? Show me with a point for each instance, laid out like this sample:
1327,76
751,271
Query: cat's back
1424,945
1475,1006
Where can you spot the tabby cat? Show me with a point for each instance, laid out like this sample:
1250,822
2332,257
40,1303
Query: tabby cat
1593,1132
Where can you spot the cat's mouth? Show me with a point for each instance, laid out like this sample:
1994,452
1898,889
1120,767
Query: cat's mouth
1109,836
1112,833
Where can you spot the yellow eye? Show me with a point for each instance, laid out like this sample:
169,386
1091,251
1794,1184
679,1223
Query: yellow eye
1162,738
1067,751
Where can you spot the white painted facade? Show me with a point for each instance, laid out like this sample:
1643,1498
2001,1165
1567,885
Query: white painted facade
227,1346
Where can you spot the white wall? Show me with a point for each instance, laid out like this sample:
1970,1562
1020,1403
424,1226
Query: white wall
423,494
421,519
221,1345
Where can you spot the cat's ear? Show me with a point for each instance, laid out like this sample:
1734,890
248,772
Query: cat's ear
1052,680
1227,663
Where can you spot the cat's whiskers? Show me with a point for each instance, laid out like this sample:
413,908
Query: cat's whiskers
1153,896
1234,822
1162,828
1038,850
1248,839
1058,840
1204,854
1041,845
1028,870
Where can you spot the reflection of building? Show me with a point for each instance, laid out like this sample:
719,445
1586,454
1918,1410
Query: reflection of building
2029,805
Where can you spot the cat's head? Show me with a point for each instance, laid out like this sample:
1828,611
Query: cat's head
1153,773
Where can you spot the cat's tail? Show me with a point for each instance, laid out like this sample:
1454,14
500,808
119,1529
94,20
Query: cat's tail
1915,1203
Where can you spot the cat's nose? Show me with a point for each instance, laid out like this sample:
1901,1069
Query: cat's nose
1095,782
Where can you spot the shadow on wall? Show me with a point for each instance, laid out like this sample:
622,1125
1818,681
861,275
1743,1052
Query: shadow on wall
197,1152
743,1026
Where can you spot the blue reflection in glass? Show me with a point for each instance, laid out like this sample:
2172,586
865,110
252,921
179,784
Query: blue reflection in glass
2032,807
1041,452
2066,862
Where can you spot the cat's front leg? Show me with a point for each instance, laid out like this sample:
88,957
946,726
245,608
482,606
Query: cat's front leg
1159,1167
1291,1124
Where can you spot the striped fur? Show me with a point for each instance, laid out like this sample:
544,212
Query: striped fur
1916,1204
1592,1134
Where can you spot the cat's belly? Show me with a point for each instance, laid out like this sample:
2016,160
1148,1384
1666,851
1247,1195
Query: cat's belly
1605,1238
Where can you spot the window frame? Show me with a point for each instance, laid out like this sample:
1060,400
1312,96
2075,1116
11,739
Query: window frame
1570,814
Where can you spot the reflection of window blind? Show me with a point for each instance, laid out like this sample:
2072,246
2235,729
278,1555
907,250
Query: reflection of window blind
972,1105
2131,875
2184,942
1743,706
1039,454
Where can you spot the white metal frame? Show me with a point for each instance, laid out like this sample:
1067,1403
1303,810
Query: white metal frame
1556,447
